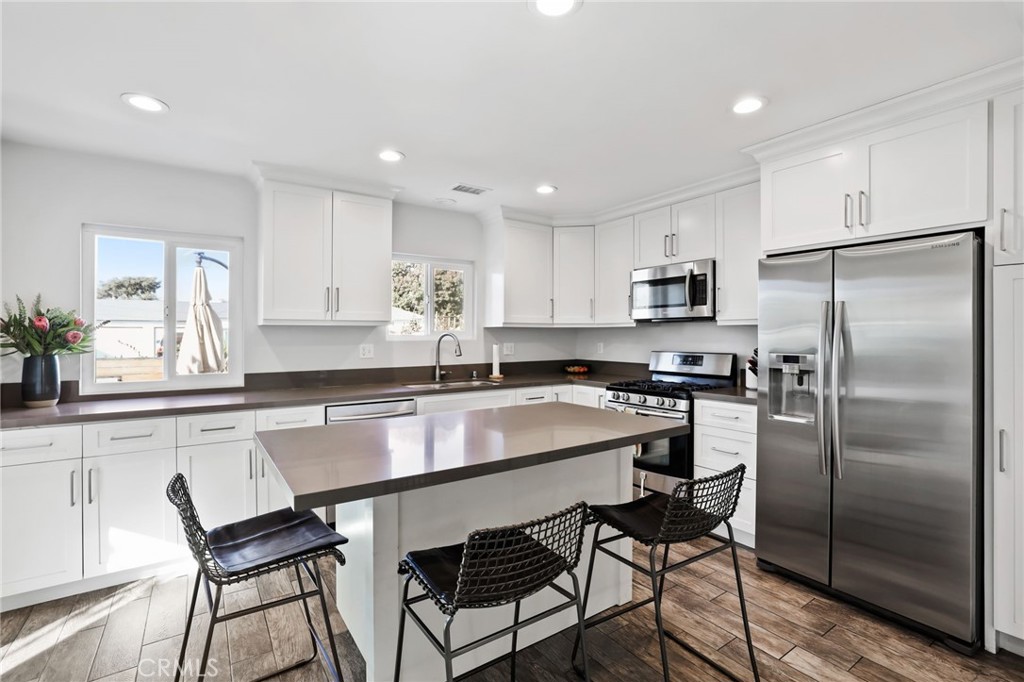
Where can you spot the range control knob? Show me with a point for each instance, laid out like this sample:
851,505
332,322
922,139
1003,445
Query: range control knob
625,397
615,395
641,399
661,401
671,402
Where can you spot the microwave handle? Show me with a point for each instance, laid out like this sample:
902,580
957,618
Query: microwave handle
689,297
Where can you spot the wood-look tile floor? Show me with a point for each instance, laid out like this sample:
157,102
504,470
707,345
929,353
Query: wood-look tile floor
124,633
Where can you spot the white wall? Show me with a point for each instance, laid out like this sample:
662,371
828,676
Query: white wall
48,194
636,344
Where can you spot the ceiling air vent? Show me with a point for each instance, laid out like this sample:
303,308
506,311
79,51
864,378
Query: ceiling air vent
470,189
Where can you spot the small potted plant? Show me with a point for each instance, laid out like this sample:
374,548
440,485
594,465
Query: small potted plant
42,335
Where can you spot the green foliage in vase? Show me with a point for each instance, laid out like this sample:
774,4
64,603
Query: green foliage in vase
37,331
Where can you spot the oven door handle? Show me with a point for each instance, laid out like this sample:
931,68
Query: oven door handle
645,413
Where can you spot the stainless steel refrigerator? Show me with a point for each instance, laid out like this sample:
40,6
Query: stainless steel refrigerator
869,412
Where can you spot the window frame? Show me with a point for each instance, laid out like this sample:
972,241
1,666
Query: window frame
172,240
468,303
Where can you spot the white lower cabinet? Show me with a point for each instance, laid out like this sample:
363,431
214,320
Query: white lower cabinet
457,402
41,521
724,436
537,394
562,393
128,521
588,396
222,480
270,494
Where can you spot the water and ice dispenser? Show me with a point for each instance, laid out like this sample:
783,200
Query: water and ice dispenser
792,386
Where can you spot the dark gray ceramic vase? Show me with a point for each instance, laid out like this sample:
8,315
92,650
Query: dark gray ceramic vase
40,381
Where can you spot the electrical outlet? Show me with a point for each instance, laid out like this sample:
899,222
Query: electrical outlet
366,350
508,349
600,347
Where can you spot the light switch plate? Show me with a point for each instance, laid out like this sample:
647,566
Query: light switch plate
366,350
508,349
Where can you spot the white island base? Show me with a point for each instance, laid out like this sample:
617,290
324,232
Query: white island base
382,529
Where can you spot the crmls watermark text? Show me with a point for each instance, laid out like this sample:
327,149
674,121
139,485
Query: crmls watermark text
165,668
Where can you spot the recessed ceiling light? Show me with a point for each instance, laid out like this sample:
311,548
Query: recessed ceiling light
444,201
546,189
391,155
555,8
144,102
749,105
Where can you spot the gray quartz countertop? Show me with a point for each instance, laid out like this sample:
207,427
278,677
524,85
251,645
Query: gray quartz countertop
226,401
735,394
325,465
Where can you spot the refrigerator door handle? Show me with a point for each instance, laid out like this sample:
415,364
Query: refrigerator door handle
837,343
819,407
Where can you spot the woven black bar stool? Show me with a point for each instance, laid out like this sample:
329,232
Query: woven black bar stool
493,567
692,511
276,541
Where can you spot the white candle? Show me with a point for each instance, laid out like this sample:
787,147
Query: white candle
495,364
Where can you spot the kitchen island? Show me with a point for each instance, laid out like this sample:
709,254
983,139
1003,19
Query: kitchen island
425,481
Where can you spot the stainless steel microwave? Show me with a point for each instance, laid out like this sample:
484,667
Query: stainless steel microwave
681,291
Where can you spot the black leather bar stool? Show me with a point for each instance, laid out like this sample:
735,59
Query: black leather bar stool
692,511
277,541
494,567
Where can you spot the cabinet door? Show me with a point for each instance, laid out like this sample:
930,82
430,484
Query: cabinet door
1008,448
528,396
926,173
528,261
128,520
295,253
1008,178
693,230
613,255
562,393
222,479
574,275
588,396
808,199
652,234
290,417
270,495
738,218
361,277
41,514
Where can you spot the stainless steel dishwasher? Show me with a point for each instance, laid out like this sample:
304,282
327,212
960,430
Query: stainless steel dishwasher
342,413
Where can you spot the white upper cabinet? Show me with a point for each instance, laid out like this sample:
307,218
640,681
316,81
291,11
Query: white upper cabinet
518,274
574,275
653,234
325,257
613,257
738,224
1008,178
295,253
693,230
927,173
361,276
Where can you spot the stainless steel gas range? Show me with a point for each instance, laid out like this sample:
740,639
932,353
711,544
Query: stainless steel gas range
659,465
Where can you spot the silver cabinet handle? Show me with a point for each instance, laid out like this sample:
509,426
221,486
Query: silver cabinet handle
38,446
135,437
278,422
552,308
89,499
675,244
212,429
72,487
591,308
724,452
250,464
718,308
686,284
837,343
535,397
847,202
327,299
629,306
1002,451
337,299
862,208
724,416
263,468
819,403
665,246
1002,229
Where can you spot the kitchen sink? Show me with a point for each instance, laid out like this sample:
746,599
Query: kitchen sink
466,383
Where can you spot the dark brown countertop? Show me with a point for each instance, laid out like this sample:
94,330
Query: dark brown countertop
736,394
169,406
325,465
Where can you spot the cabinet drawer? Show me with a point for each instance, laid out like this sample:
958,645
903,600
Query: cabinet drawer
527,396
728,415
744,518
721,449
290,417
216,428
111,438
47,444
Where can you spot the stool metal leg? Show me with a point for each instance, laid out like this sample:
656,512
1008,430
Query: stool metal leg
215,606
743,603
515,640
188,625
657,611
581,635
401,628
449,676
586,590
319,580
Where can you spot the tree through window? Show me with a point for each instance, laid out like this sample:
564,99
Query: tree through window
429,297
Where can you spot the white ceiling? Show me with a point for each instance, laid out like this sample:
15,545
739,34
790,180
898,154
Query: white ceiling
614,103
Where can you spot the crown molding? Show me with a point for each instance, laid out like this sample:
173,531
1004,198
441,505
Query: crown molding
967,89
261,172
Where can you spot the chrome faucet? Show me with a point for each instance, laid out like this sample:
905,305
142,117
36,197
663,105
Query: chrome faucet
437,354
